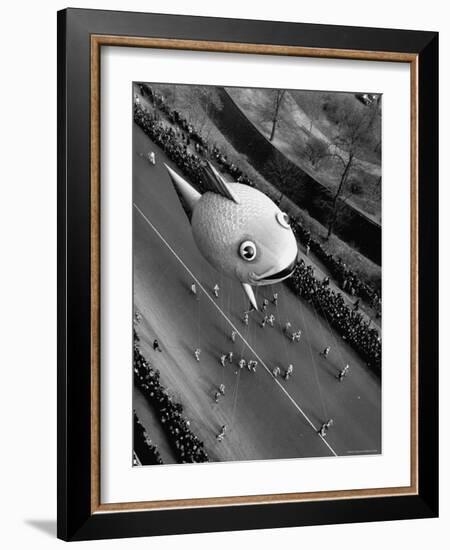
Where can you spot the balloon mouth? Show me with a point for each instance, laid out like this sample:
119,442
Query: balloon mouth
274,277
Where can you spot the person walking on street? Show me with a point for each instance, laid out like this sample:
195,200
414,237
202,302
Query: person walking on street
156,346
197,352
233,335
223,358
343,373
325,427
194,290
289,372
276,371
221,434
253,365
216,290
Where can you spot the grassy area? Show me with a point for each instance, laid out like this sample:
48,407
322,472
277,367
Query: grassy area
314,105
308,123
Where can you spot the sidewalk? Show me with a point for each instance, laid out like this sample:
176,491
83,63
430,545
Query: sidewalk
321,272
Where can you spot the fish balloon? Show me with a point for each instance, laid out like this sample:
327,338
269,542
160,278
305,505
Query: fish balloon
239,230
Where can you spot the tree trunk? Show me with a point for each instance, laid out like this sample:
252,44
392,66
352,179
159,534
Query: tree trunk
272,133
278,102
344,178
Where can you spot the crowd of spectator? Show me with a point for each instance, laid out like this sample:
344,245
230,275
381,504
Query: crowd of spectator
188,134
348,321
185,444
146,451
172,143
345,277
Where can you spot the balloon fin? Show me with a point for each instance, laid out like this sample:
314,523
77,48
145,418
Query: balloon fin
184,189
218,184
250,294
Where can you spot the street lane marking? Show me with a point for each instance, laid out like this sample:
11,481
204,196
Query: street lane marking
291,399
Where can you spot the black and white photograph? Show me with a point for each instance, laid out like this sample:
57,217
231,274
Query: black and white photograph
224,293
257,285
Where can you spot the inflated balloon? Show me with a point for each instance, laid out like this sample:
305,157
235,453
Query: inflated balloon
240,231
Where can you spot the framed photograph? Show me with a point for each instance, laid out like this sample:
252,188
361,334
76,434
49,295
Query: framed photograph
247,274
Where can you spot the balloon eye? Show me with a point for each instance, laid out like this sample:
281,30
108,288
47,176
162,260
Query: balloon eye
283,219
247,250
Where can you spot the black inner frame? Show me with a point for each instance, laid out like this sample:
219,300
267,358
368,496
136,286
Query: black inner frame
75,521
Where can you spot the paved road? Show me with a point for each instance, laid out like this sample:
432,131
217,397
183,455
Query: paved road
267,418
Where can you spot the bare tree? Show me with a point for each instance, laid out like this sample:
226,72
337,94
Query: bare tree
278,100
346,164
315,150
315,108
351,138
